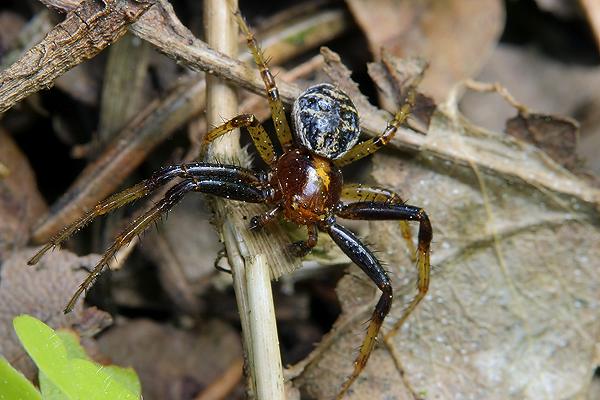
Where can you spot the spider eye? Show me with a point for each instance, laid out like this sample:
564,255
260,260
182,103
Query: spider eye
325,121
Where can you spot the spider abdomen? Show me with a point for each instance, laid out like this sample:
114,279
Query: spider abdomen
309,186
326,121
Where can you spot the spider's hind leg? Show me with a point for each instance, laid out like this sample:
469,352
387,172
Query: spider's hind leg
113,202
231,188
282,126
360,193
365,259
303,247
382,211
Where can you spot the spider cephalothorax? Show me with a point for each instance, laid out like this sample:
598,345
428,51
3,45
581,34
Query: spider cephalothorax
304,185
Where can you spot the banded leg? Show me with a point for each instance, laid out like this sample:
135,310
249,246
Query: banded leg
282,127
364,258
382,211
159,178
359,193
370,146
222,188
259,135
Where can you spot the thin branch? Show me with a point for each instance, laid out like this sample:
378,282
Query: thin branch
83,34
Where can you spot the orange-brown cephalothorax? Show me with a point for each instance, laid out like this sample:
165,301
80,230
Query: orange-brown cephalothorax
310,186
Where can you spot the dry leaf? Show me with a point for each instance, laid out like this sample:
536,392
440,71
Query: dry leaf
557,136
455,36
172,363
542,84
393,76
512,312
42,291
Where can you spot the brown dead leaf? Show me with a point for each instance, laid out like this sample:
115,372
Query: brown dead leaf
21,204
454,36
542,84
172,363
393,76
557,136
42,291
512,308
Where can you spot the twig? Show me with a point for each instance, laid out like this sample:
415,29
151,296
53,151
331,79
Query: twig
251,279
84,33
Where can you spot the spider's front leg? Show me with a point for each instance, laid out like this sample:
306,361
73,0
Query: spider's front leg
227,181
370,146
383,211
142,189
259,135
282,126
364,258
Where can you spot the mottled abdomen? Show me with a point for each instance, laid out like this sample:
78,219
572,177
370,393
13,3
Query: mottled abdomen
310,186
325,121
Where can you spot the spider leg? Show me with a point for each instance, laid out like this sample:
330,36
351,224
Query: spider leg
282,127
361,193
233,190
383,211
364,258
159,178
259,135
303,247
370,146
259,221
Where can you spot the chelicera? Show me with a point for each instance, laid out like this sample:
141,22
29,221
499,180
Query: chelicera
303,185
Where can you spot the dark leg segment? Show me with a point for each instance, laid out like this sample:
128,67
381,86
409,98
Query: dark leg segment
222,188
259,135
277,110
196,171
364,258
360,193
382,211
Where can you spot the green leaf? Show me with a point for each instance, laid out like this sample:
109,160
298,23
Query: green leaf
71,341
126,377
49,389
47,350
95,382
66,372
13,385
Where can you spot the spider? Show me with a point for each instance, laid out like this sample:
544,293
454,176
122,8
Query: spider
303,185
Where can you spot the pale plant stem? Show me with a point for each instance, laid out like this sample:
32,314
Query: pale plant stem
251,274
